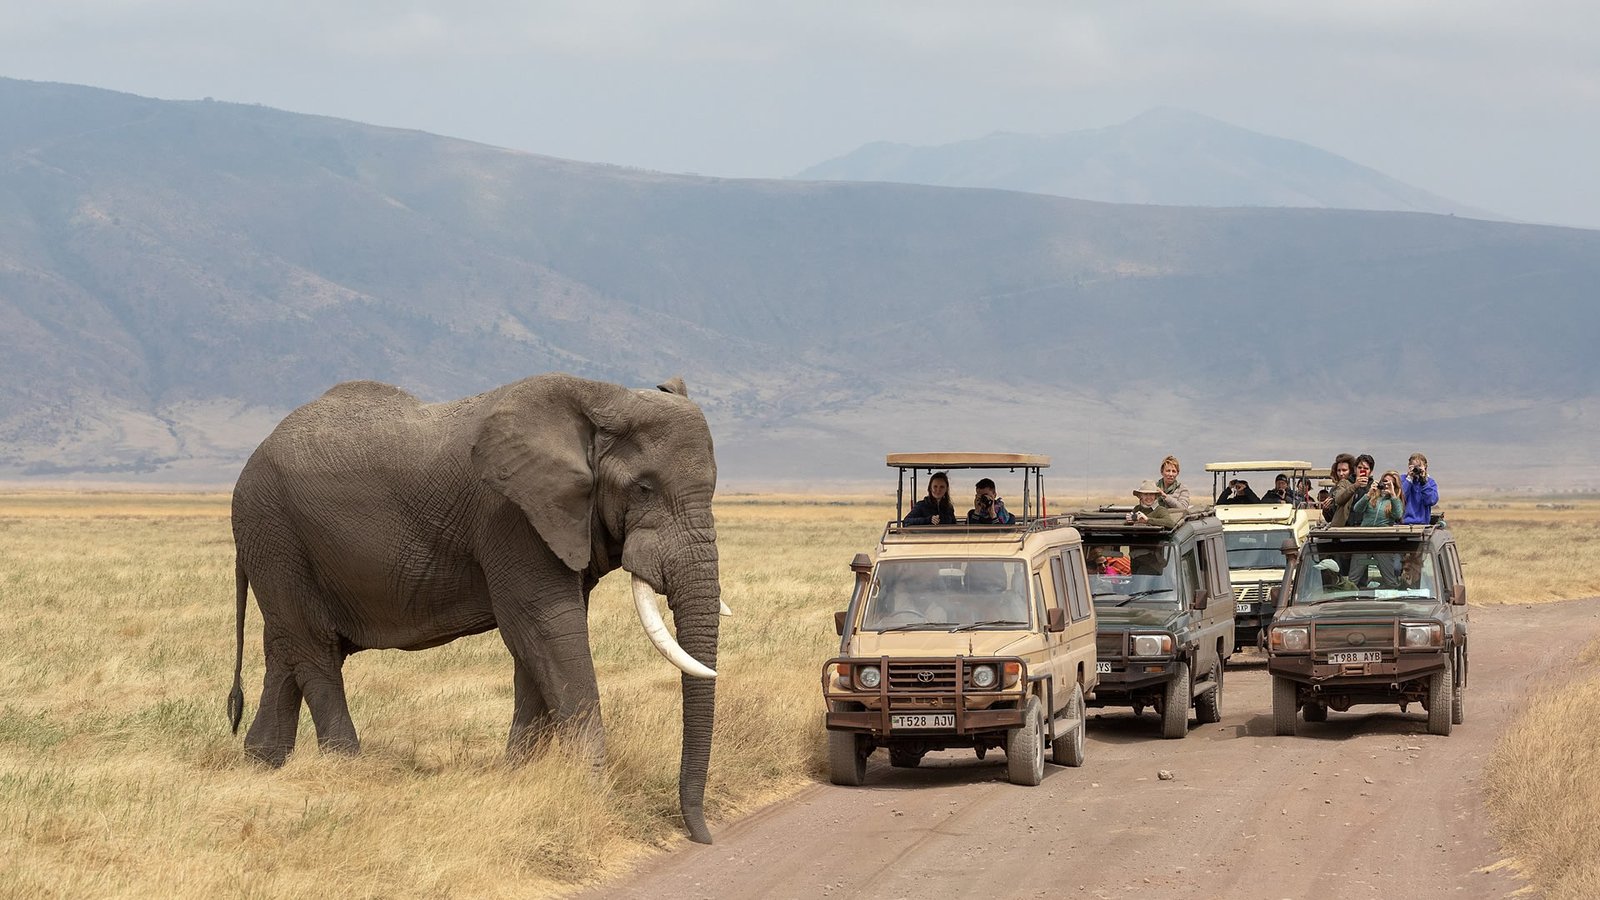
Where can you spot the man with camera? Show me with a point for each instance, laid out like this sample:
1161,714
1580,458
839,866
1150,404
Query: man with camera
1237,491
987,507
1421,493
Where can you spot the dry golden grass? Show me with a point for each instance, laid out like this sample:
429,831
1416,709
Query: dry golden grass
1544,788
118,776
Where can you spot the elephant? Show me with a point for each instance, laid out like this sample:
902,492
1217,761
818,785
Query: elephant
368,519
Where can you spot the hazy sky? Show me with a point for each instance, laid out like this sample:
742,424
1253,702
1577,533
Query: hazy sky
1492,104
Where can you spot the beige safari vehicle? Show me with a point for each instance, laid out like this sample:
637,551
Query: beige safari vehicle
1255,534
964,635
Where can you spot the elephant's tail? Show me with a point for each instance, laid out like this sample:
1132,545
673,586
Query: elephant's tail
236,696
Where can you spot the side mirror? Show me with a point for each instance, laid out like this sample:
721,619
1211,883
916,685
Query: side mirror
838,621
1201,598
1458,595
1275,595
1055,620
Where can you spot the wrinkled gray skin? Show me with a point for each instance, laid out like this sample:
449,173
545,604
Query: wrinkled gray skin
370,520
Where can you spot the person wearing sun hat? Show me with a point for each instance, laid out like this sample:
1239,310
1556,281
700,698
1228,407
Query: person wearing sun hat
1149,509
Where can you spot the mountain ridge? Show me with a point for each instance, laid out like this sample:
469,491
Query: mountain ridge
173,284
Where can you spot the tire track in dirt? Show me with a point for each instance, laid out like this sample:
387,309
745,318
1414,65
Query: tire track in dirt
1367,804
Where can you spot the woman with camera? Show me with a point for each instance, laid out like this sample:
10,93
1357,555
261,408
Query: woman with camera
1382,504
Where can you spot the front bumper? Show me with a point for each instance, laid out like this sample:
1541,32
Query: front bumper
974,710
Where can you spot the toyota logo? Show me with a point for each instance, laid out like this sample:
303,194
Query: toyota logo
1356,639
924,677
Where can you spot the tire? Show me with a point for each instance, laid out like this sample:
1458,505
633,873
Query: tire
1175,711
847,765
904,758
1025,747
1283,691
1441,699
1458,711
1068,750
1208,706
1316,712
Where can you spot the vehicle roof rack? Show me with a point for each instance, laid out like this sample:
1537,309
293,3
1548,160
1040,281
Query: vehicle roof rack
899,533
1116,516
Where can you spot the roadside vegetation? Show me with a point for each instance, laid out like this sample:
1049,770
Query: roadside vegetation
119,777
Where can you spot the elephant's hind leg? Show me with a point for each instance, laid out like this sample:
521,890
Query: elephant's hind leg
322,680
272,733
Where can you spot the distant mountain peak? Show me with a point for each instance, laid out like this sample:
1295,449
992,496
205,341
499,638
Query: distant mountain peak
1165,155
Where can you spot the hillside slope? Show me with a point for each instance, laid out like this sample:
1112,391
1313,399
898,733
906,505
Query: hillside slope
176,275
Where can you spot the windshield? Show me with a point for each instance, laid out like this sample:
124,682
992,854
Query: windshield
1256,549
1383,573
1124,574
928,594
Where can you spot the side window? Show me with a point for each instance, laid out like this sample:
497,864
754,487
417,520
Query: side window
1038,594
1191,574
1077,589
1218,552
1058,574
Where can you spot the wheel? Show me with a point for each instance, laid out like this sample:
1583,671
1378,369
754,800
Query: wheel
1316,712
1175,711
1458,712
1441,688
1068,749
904,757
847,762
1283,701
1208,706
1025,747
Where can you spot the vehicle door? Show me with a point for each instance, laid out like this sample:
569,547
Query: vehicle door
1214,570
1075,649
1045,660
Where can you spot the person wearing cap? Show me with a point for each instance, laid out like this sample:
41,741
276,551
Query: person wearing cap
1173,494
1333,579
1280,492
1149,509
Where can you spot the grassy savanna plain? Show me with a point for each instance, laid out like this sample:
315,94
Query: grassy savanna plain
118,775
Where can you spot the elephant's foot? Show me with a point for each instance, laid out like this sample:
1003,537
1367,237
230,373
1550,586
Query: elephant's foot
343,745
273,757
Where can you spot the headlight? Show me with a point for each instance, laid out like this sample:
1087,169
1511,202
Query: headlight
1152,644
868,677
1422,634
983,677
1292,639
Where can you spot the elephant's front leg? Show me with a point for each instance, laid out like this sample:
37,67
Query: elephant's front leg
545,625
531,717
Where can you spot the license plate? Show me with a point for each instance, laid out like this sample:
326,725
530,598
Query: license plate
1243,608
1101,668
1355,656
923,720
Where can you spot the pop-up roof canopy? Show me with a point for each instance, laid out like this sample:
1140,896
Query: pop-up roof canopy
1260,465
968,460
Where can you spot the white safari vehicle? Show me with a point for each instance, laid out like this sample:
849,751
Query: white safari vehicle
964,635
1255,533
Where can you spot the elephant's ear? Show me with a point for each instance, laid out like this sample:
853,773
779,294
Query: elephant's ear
674,385
538,447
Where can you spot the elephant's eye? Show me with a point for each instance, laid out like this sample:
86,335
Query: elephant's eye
645,487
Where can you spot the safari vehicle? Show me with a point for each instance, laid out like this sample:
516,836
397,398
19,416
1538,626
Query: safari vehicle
1162,642
1255,534
1371,615
974,636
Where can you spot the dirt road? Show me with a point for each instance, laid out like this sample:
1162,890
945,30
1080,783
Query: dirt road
1366,805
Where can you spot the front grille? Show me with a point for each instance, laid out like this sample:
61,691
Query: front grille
1254,592
934,676
1108,645
1355,636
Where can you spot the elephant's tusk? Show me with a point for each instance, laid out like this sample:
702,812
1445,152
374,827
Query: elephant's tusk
725,610
644,600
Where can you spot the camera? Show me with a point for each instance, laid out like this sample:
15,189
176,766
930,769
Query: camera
984,501
1416,472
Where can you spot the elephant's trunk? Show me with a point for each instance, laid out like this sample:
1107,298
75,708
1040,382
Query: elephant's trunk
696,601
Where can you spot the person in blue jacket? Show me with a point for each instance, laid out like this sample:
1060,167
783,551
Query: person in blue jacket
936,508
1421,493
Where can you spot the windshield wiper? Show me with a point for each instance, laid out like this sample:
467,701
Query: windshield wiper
913,626
1359,595
971,625
1137,594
